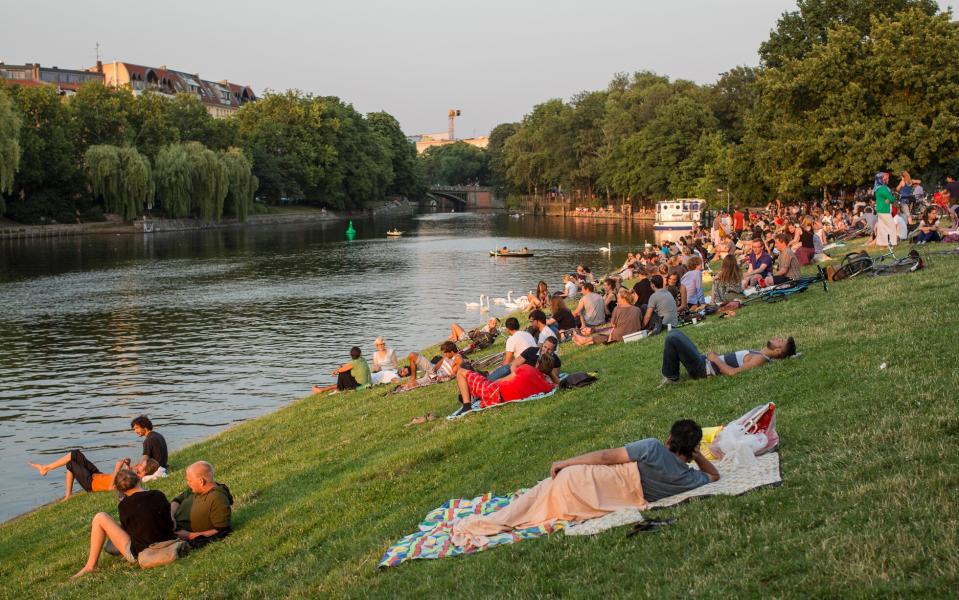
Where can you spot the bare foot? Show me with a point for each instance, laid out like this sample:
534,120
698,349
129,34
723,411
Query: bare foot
81,573
317,389
42,469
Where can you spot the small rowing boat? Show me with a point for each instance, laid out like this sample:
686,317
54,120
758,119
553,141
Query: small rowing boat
501,254
394,233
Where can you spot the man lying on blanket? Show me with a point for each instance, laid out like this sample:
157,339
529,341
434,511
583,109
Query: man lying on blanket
524,381
594,484
679,349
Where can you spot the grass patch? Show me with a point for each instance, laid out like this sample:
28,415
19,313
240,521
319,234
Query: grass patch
868,505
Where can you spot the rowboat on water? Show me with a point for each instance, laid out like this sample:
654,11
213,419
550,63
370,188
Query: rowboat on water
394,233
501,254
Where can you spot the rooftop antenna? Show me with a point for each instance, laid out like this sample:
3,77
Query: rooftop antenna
98,51
453,113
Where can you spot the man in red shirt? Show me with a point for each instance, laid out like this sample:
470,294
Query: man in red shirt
523,382
739,222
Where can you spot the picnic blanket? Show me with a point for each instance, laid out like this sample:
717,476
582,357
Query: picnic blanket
435,536
434,539
733,481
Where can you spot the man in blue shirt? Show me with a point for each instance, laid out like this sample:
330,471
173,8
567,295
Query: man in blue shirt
663,468
760,264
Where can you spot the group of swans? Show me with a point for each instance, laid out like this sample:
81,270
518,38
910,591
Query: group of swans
508,302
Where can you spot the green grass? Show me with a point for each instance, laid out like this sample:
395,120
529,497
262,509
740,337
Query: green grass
868,505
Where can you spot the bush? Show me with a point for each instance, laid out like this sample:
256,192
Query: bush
43,207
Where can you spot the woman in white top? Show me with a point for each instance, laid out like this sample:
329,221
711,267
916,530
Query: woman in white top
385,366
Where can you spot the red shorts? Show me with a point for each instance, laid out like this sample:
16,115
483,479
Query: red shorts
484,389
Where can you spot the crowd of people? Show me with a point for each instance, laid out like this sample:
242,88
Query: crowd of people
200,515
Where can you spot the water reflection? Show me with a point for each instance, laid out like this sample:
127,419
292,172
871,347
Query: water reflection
204,329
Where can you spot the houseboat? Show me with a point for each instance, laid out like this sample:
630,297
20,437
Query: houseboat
679,214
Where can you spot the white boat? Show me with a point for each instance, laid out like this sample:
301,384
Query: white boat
682,213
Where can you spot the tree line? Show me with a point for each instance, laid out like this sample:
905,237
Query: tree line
843,89
107,150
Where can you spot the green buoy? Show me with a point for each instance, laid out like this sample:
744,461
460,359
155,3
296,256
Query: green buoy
350,232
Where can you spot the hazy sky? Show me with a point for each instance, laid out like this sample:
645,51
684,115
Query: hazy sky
492,59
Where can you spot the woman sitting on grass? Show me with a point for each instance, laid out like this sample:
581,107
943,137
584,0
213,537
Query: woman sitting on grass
144,519
728,282
594,484
540,299
524,381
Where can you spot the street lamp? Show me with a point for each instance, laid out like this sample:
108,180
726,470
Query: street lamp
721,190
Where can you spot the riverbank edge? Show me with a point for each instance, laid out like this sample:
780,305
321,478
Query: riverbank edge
147,226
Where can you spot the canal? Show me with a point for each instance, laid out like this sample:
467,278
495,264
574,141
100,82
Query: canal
201,330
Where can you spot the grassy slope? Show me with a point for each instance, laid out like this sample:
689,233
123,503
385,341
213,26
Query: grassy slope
868,506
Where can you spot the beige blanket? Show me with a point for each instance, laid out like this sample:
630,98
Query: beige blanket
577,493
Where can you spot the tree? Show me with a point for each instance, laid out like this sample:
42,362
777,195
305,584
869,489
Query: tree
101,114
402,155
120,176
9,145
496,154
798,31
455,164
194,124
242,183
210,185
151,121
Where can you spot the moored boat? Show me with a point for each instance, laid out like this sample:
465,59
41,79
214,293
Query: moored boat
679,214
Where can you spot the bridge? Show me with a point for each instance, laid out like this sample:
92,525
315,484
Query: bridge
463,197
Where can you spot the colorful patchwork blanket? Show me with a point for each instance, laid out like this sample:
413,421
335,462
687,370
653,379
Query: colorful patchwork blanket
433,540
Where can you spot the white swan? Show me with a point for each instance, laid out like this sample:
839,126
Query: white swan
510,303
502,301
484,307
607,248
475,304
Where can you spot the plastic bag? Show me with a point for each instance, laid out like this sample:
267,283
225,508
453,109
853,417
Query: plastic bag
738,448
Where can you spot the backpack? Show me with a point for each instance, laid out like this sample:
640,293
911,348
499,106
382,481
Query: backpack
481,339
578,380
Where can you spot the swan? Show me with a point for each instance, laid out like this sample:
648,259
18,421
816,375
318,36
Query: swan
607,248
475,304
484,307
502,301
510,303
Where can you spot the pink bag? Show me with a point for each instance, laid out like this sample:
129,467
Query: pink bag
760,420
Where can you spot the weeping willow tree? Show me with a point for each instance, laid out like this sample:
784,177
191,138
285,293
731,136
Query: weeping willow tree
9,145
173,177
191,180
210,183
120,176
242,183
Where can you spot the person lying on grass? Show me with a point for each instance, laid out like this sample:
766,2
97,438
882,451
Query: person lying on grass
679,349
627,318
144,520
446,369
202,513
458,334
349,376
524,382
595,484
531,355
79,468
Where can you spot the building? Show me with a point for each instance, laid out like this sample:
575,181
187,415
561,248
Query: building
32,74
428,140
221,98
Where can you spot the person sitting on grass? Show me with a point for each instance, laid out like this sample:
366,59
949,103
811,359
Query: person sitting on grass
728,282
84,472
202,513
642,288
531,355
385,363
627,318
597,483
349,376
570,289
526,381
662,309
591,309
677,291
446,368
692,281
458,334
154,445
679,349
928,230
562,319
537,321
539,299
760,264
787,265
144,520
515,344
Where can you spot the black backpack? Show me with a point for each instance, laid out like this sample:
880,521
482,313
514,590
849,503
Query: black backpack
578,380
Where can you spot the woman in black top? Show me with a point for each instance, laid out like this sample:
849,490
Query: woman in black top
144,519
562,317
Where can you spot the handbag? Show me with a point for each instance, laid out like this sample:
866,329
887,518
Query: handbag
162,553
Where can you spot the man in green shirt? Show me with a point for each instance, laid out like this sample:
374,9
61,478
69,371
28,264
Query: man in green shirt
202,513
353,375
887,234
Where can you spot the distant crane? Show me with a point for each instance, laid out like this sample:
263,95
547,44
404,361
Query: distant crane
453,113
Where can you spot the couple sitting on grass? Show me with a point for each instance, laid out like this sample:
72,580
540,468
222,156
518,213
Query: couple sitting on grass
198,516
594,484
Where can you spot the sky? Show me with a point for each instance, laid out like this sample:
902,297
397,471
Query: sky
491,59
